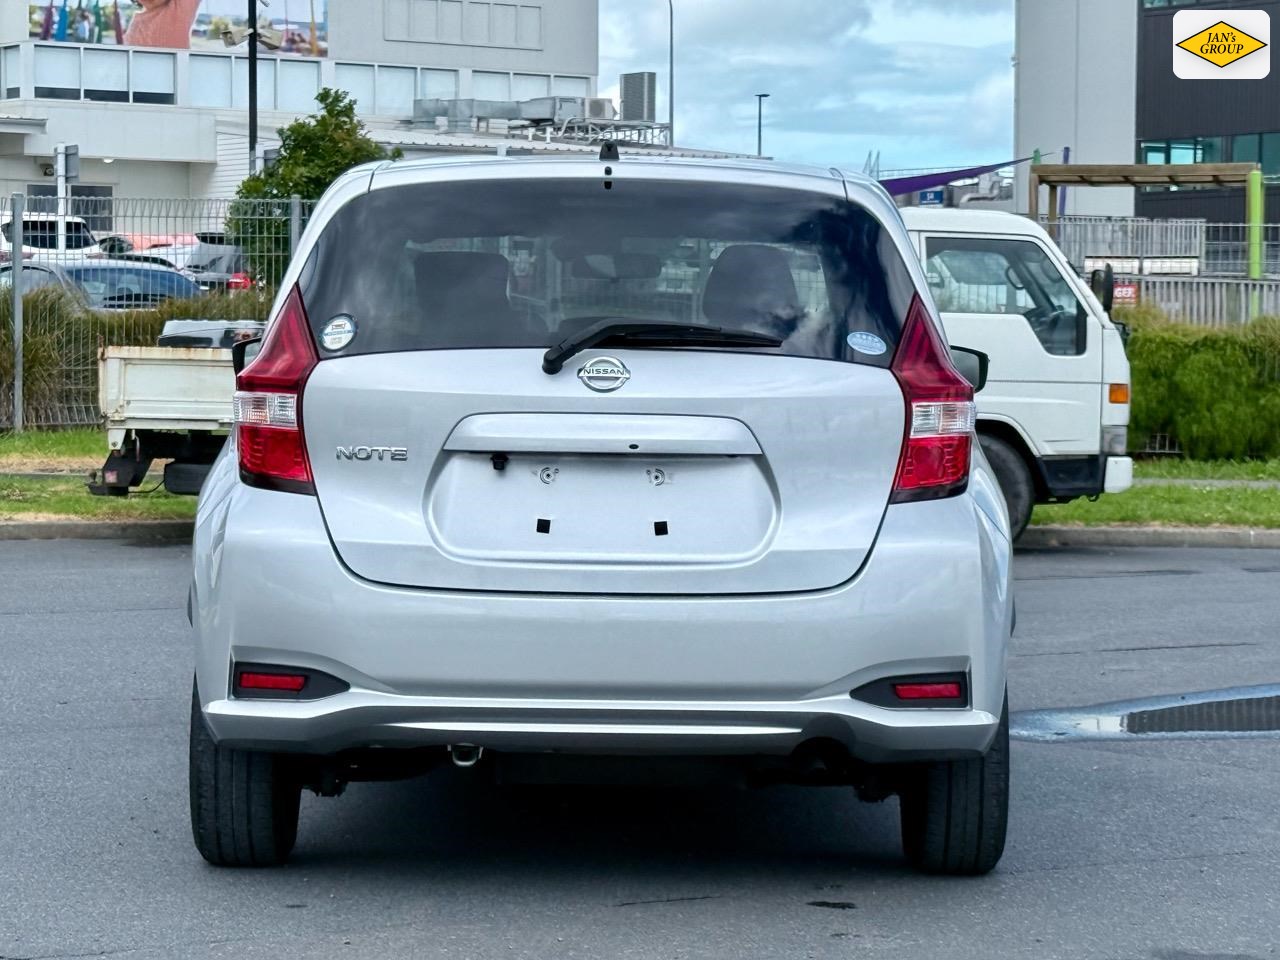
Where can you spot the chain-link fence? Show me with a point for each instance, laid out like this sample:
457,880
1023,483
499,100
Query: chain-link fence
93,272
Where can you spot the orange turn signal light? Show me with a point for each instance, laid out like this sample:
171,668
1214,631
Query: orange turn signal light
1119,393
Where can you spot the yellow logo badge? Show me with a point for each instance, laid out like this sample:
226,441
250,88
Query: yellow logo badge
1222,44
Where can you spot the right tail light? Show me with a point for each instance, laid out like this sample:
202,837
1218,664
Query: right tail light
938,445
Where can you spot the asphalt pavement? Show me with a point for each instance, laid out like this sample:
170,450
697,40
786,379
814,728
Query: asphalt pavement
1168,850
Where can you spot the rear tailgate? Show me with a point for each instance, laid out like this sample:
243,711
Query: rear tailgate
771,474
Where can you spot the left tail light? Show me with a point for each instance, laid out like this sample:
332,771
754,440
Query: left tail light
268,405
239,281
940,414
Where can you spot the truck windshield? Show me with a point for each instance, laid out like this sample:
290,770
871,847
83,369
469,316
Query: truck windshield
526,263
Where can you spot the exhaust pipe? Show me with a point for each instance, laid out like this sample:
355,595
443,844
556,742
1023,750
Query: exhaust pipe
465,755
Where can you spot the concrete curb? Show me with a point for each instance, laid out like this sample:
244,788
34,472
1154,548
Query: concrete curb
1150,537
165,531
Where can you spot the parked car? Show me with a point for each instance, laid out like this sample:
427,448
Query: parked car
118,243
46,234
106,284
1054,419
225,270
175,257
743,534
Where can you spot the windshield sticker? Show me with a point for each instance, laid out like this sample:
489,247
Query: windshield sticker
338,332
867,343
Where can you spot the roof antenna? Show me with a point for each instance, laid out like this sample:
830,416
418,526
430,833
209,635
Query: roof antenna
609,152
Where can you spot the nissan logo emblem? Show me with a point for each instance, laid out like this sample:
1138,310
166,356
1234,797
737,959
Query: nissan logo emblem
604,374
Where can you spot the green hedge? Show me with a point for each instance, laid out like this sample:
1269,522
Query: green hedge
1215,391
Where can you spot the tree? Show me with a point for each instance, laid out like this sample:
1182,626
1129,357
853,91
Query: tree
314,151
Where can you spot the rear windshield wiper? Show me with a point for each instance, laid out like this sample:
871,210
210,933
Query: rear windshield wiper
651,332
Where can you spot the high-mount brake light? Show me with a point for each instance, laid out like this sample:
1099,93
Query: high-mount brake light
940,414
267,406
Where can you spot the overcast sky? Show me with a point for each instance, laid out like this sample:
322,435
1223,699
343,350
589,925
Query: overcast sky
928,83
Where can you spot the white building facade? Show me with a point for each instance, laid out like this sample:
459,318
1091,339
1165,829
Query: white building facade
156,122
1076,87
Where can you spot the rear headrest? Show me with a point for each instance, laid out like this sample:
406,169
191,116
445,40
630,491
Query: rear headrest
751,286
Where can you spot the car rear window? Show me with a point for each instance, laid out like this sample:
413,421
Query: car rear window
123,287
526,263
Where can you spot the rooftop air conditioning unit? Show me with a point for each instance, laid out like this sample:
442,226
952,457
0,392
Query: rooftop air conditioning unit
601,108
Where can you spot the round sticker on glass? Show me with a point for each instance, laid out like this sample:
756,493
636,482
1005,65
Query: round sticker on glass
867,343
338,332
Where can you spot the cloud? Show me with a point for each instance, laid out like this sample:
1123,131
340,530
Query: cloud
926,82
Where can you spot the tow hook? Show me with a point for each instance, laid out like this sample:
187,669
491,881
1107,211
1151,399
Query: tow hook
465,755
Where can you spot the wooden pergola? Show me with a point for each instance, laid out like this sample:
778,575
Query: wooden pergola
1057,176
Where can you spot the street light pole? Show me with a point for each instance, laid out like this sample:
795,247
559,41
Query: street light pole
253,86
671,79
760,99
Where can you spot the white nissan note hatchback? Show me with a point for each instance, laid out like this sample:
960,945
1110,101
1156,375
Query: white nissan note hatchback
549,465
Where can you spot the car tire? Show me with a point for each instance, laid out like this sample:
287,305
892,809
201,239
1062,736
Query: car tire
244,805
1015,481
955,813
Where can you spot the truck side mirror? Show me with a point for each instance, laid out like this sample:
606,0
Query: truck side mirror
973,366
1103,285
243,352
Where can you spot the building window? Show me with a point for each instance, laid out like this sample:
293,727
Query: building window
440,84
57,73
210,81
266,84
9,72
358,80
106,74
570,87
1263,148
153,80
490,86
395,91
298,85
527,86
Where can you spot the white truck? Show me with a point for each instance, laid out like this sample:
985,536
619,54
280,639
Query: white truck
169,402
1053,419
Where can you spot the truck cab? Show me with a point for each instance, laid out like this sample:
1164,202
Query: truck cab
1053,418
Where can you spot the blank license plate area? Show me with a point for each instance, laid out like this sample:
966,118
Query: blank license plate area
602,509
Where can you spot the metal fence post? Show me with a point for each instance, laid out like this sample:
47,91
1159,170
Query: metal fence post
295,223
17,240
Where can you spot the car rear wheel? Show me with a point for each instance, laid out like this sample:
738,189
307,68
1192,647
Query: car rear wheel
955,813
244,805
1015,481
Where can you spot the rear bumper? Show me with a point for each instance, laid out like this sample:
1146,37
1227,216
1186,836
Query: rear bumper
1069,478
707,675
362,719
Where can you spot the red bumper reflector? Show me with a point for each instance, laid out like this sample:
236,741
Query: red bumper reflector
292,682
928,691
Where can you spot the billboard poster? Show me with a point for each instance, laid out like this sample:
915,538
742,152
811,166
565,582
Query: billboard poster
302,25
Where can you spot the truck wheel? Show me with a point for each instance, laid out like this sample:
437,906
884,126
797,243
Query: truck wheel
244,805
955,813
1015,481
